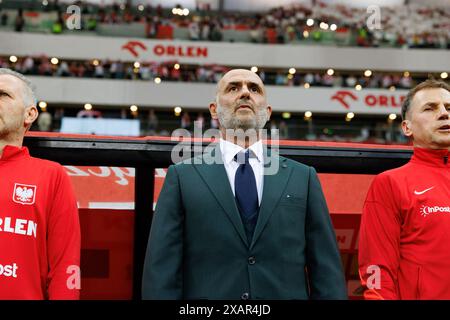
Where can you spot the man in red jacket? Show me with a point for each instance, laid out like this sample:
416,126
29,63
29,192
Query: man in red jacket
39,227
404,249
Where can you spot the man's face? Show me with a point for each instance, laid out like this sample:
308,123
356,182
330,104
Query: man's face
428,119
14,117
241,101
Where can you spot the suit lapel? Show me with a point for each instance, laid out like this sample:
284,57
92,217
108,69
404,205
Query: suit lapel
273,188
215,177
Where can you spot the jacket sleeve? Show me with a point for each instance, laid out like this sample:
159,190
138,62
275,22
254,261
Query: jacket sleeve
63,242
379,241
324,266
162,278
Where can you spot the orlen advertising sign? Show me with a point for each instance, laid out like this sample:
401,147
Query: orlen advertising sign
349,99
171,51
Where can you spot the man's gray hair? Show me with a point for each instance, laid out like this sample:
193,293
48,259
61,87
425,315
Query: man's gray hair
28,96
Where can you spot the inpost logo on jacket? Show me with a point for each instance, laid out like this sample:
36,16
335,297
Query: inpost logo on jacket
9,270
427,210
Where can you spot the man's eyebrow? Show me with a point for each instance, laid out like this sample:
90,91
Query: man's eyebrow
430,103
5,92
239,83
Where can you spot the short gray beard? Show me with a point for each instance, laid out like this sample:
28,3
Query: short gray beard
227,120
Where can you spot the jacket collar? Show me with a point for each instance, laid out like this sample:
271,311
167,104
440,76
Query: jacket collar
14,153
431,157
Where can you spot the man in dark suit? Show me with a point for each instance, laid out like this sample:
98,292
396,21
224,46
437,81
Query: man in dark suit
231,227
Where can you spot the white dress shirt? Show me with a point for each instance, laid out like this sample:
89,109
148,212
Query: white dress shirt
229,150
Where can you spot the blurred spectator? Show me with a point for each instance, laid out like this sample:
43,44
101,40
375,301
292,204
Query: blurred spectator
199,122
19,23
44,121
186,121
4,19
58,25
194,30
28,65
63,70
152,122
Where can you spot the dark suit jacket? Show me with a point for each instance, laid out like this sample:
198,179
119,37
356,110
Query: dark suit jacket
198,248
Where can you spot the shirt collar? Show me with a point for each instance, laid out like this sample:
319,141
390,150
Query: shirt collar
432,157
229,150
13,153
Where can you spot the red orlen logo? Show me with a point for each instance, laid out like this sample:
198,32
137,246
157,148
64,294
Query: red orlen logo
131,46
341,95
24,193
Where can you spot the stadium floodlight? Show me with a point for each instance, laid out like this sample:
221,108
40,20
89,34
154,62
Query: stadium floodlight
54,61
444,75
186,11
333,27
42,104
292,71
310,22
350,115
367,73
305,34
157,80
88,106
330,72
141,7
308,114
323,26
137,65
254,69
134,108
392,116
176,66
306,85
13,59
286,115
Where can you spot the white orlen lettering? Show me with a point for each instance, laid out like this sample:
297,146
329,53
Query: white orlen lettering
9,270
18,226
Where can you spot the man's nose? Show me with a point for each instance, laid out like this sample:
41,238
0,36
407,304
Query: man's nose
245,92
444,113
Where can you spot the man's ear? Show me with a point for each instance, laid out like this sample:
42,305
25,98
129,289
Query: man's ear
406,127
269,112
31,114
213,110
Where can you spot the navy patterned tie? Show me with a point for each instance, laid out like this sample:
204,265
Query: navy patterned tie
246,193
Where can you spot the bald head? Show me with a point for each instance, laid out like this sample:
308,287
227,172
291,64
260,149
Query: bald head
237,75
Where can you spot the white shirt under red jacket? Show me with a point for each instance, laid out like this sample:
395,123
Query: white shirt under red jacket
405,230
39,229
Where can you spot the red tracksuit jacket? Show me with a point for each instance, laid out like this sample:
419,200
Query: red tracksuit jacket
39,229
405,230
